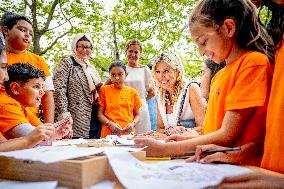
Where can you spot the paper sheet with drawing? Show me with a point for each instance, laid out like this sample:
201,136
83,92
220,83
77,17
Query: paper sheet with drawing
51,154
168,174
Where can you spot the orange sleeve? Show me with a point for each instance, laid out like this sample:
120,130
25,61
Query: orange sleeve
11,115
102,99
273,156
251,86
33,120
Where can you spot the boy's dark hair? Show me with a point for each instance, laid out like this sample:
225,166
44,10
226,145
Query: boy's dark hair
22,73
250,34
6,16
11,19
117,63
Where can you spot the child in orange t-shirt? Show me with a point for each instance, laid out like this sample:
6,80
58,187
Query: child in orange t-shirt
236,112
24,89
18,34
119,104
40,133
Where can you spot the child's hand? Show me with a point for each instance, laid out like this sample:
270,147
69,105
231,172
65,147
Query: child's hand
225,157
64,129
115,128
128,128
42,132
153,147
185,136
69,135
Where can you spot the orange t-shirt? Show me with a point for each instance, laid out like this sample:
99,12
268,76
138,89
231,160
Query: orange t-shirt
119,105
12,114
273,157
32,59
242,84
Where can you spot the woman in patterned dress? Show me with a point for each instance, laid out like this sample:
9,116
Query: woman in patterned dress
75,81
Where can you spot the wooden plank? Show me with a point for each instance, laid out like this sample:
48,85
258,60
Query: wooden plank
76,173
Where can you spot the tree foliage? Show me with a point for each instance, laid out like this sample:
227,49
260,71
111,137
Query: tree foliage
160,24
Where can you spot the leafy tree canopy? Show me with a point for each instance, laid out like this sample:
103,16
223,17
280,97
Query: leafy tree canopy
160,24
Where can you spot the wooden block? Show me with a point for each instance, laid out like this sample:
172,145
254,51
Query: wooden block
75,173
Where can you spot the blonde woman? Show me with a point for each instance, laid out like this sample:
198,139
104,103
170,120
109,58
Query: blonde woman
179,100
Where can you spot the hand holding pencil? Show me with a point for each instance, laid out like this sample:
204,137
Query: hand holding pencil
214,153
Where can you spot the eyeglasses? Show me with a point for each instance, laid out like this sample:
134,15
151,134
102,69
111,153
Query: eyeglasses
82,47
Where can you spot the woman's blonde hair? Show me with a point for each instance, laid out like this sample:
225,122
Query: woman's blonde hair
175,62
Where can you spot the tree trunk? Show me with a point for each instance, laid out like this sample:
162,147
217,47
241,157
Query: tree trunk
116,50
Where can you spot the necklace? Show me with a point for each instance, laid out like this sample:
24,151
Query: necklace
169,99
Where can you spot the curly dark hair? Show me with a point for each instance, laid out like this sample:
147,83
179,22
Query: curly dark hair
10,19
22,73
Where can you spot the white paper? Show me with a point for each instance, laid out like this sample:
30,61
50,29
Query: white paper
51,154
122,140
126,142
103,185
28,185
135,174
69,142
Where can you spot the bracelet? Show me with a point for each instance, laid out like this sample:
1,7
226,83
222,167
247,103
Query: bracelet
107,122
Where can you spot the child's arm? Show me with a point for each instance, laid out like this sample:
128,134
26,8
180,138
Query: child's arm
160,123
48,107
247,151
128,128
115,128
229,132
198,104
40,133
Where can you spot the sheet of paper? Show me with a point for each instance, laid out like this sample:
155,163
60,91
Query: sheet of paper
69,142
103,185
122,140
51,154
27,185
133,173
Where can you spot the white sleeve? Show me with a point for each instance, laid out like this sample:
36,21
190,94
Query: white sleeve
21,130
48,84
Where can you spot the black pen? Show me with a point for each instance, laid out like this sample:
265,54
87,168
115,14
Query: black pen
213,151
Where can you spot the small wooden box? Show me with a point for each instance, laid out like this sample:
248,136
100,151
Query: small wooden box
75,173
